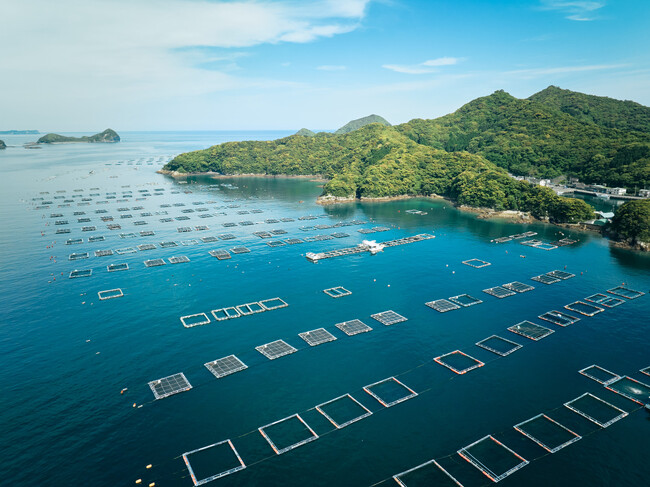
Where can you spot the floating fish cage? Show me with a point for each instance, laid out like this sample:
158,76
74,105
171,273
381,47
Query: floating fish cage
225,366
196,319
499,292
599,374
388,317
81,273
492,458
498,345
476,263
342,411
317,337
596,410
294,427
442,305
117,267
458,362
168,386
337,292
353,327
547,433
389,392
110,294
276,349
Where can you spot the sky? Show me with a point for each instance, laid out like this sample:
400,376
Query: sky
84,65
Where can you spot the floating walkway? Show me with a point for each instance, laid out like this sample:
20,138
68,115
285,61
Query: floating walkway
366,247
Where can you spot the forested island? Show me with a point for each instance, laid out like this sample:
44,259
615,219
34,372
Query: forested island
631,224
2,145
107,136
18,132
465,156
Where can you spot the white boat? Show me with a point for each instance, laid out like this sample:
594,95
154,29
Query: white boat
371,246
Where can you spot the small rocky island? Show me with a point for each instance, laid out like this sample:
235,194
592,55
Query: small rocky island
107,136
2,145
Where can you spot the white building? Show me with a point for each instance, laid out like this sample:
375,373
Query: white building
616,191
644,193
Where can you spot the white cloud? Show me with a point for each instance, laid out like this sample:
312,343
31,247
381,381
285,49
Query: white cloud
422,68
577,10
329,67
441,61
74,51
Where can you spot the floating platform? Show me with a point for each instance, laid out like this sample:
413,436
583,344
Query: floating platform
80,273
499,292
168,386
442,305
429,473
625,292
220,254
596,410
353,327
337,292
225,366
465,300
390,391
240,250
222,314
388,317
78,256
154,262
458,362
276,349
125,250
169,244
146,247
546,279
603,300
518,287
214,455
290,426
476,263
547,433
196,319
630,388
343,411
110,294
558,318
583,308
273,303
498,345
250,308
603,376
492,458
315,257
180,259
317,337
560,274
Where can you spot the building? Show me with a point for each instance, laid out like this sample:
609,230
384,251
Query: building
644,193
616,191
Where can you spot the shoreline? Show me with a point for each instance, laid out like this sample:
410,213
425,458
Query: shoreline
514,216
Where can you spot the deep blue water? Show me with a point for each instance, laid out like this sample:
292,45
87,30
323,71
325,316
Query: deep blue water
66,355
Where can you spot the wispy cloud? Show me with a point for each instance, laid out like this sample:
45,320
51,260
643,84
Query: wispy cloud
132,49
330,67
424,67
579,10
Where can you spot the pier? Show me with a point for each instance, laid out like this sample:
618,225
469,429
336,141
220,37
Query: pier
366,246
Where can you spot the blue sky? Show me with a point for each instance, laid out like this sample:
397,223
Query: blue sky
83,65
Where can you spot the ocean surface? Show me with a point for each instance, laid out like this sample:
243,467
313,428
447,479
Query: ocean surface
76,407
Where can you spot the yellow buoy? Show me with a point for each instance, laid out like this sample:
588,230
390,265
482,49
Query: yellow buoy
149,466
139,481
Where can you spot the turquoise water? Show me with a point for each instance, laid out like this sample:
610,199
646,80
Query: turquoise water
66,355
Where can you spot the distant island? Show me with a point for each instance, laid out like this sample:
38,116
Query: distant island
107,136
18,132
470,156
2,145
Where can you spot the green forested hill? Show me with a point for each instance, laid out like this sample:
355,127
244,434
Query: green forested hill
379,161
601,110
537,138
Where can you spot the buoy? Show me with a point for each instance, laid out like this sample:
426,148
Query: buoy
139,481
134,404
124,390
148,466
152,484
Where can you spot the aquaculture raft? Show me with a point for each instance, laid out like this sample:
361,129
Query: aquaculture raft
315,257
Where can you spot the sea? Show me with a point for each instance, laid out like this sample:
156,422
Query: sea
78,372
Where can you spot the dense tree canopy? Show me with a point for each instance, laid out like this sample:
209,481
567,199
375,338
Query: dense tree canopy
632,221
465,155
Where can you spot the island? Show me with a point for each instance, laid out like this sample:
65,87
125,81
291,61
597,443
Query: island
631,225
107,136
18,132
484,155
2,145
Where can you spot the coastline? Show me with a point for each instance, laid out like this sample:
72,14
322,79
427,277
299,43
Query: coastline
513,216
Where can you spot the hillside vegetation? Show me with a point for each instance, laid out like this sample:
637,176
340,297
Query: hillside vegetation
547,136
379,161
632,223
108,135
361,122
